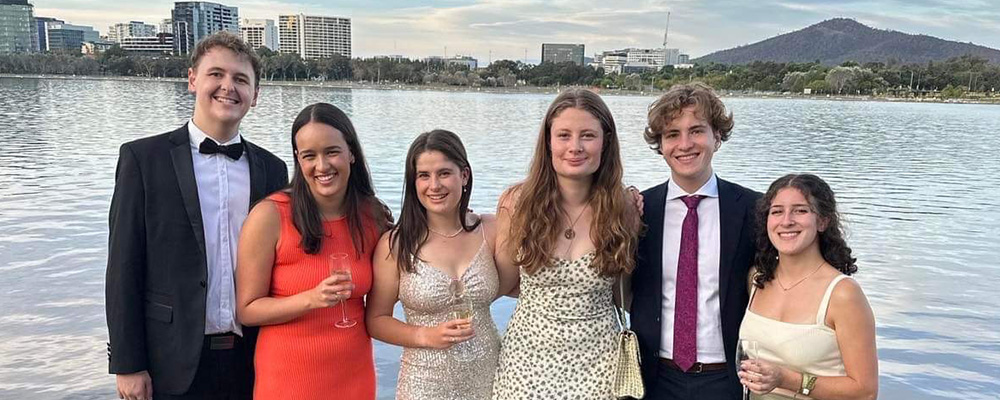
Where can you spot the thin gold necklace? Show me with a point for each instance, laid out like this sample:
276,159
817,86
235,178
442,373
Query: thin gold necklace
460,229
800,280
569,233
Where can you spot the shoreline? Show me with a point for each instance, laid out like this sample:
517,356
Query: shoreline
523,89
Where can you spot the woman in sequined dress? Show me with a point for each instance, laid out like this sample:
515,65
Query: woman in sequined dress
438,262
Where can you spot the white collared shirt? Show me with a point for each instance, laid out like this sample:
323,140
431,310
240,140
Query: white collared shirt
709,335
224,197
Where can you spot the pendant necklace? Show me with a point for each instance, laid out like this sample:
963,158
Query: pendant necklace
569,233
800,280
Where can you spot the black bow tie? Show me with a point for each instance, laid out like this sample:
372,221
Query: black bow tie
234,151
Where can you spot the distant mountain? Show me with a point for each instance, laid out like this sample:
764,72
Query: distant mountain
837,40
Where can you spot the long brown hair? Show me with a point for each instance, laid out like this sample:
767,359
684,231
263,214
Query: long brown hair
360,202
537,213
411,232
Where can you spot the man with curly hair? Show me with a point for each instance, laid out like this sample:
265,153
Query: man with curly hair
690,283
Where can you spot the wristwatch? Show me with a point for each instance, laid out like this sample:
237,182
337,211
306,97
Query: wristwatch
808,383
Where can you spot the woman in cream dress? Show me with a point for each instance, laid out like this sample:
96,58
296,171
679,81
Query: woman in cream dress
814,329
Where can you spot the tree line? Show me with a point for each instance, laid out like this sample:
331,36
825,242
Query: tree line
957,77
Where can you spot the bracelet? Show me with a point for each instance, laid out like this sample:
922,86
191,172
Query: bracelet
808,383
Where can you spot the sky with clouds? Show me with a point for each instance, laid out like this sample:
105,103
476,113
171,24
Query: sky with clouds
508,29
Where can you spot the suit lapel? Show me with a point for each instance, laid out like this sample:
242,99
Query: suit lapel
258,174
730,224
180,154
653,209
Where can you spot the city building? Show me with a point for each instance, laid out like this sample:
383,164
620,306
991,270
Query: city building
312,36
683,59
260,33
18,33
195,20
167,25
123,30
41,27
557,53
637,60
94,48
467,61
156,45
64,37
612,62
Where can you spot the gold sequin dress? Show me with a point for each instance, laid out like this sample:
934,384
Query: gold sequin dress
432,374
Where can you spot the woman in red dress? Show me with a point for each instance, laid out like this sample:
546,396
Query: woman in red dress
284,281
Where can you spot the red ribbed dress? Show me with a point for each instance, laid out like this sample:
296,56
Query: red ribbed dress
308,357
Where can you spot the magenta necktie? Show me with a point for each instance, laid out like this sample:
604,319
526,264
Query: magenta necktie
686,297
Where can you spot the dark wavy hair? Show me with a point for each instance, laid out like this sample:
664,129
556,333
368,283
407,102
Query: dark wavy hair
832,245
360,202
675,100
410,234
537,216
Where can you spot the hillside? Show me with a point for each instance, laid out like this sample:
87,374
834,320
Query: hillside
837,40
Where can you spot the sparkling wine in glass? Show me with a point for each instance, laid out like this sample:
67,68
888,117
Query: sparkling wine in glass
341,265
745,350
461,309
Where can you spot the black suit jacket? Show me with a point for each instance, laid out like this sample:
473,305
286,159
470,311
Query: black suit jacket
156,277
736,217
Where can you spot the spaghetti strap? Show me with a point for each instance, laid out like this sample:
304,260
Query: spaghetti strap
821,313
753,289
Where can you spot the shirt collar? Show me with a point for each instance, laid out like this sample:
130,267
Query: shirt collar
709,189
197,136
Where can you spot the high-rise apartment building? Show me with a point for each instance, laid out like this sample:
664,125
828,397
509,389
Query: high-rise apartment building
259,33
312,36
119,31
18,33
557,53
195,20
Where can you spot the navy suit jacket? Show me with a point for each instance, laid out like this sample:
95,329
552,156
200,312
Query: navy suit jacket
736,217
156,277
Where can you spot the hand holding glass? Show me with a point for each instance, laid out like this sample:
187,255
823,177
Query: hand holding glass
745,350
340,265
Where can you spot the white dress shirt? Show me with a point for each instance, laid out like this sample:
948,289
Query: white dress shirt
709,335
224,196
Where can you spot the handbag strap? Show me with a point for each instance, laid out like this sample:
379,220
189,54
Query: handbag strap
618,309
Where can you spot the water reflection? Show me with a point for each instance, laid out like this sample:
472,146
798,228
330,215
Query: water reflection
917,183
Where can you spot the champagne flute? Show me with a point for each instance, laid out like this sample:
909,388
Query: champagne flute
745,350
461,309
339,265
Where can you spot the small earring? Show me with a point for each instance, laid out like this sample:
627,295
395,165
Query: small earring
463,189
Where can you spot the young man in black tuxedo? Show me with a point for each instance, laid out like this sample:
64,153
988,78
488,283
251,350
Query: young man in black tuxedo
180,199
689,287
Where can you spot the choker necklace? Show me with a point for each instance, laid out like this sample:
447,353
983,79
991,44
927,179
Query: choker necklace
460,229
569,233
800,280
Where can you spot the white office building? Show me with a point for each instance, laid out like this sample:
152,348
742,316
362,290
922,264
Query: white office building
119,31
260,33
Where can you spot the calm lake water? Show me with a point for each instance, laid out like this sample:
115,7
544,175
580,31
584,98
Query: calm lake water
918,184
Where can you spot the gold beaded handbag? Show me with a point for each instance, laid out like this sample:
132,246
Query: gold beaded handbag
628,375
